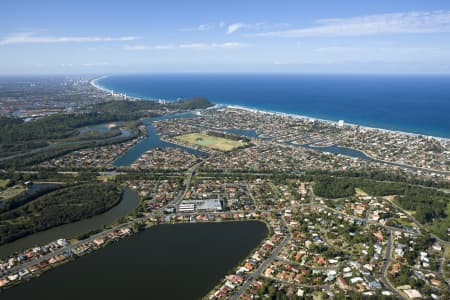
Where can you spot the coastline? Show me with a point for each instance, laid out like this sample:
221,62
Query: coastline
297,116
95,84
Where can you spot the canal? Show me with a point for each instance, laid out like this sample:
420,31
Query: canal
335,149
129,202
152,141
181,261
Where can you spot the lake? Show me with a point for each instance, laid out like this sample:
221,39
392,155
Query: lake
181,261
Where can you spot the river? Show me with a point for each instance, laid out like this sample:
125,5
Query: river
129,202
152,141
181,261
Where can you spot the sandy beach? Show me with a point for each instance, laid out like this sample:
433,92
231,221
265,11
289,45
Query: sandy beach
297,116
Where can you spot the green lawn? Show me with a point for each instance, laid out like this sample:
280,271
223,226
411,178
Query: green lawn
213,142
3,183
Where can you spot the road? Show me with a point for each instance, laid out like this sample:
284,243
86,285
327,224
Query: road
70,247
324,268
106,232
263,265
442,262
384,267
187,183
418,224
273,256
158,213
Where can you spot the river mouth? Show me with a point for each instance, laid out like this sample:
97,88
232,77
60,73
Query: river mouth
179,261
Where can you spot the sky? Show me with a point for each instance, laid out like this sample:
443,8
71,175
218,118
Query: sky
167,36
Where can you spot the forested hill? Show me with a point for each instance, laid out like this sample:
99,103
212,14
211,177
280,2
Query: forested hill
191,104
143,106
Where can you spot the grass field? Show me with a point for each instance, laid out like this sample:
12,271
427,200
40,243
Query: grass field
213,142
360,192
13,191
3,183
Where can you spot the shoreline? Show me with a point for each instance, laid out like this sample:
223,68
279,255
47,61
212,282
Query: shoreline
283,114
303,117
94,83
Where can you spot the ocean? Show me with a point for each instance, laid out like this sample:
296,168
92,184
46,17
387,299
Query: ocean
411,103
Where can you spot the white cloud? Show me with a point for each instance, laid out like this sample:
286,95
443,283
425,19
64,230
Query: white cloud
199,46
30,37
201,27
231,28
391,23
96,64
204,27
338,49
235,27
253,26
147,47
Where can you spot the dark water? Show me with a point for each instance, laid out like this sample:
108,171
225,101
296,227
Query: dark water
127,205
102,128
418,104
340,150
182,261
99,127
37,187
150,142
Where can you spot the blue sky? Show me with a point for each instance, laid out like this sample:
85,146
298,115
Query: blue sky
345,36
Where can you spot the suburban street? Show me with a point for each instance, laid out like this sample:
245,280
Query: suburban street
274,254
263,265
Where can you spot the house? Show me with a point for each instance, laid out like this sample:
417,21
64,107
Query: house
375,284
342,283
248,266
99,241
356,280
23,272
229,284
413,293
3,281
379,236
437,247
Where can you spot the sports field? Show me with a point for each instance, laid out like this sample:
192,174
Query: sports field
213,142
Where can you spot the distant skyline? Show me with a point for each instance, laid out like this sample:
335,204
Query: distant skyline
346,36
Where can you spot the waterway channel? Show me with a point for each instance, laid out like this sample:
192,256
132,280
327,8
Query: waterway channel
152,141
129,202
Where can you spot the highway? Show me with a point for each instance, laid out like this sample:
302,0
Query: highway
187,183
